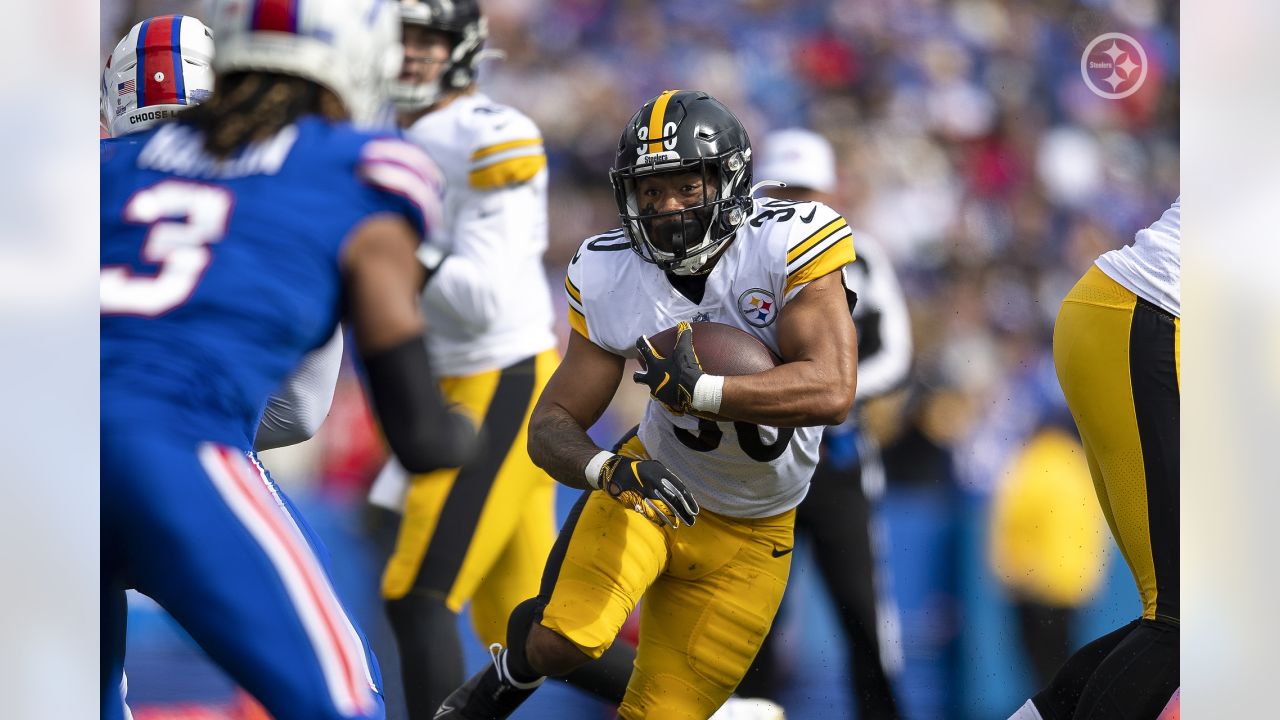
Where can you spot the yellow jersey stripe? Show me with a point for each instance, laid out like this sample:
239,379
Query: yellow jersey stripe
828,261
508,172
503,146
815,238
655,120
578,322
573,291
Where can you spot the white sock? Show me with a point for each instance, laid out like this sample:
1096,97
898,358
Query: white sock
1028,711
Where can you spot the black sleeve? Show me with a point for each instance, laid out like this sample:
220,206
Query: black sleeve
422,431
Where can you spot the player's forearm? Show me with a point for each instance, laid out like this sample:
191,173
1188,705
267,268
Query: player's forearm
422,430
795,394
560,446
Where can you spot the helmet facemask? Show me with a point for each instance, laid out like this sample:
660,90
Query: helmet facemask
466,50
683,241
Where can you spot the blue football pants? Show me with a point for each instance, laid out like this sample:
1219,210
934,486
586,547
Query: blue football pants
200,528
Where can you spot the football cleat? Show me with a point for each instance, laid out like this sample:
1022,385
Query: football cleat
490,694
736,708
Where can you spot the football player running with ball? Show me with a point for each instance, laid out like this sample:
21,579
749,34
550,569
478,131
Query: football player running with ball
693,515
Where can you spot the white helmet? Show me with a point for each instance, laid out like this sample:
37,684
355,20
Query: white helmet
160,67
351,47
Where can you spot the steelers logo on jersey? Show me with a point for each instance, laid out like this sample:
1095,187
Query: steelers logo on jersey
758,306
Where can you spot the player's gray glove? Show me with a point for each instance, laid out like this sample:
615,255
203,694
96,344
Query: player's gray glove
650,489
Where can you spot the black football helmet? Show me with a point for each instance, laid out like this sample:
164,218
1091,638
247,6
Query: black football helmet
684,131
462,20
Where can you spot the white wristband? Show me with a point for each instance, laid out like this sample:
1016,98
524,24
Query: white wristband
594,466
707,393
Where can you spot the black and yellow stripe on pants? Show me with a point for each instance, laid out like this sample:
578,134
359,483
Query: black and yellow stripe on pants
482,533
1118,362
710,594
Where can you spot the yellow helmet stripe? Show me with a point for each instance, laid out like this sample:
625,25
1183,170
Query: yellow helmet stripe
656,118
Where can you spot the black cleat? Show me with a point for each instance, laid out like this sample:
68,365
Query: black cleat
490,694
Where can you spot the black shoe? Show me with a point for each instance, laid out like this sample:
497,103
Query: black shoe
490,694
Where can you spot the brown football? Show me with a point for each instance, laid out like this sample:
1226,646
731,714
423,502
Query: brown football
721,349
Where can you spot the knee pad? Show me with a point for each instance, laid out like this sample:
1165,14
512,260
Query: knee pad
518,625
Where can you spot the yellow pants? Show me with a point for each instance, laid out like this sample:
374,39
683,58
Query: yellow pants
710,593
1118,362
482,533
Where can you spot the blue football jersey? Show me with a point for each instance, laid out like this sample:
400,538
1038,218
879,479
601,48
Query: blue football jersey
217,277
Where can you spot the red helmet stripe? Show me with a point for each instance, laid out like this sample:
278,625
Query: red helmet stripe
276,16
156,76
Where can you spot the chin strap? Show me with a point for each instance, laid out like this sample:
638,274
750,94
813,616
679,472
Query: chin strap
694,269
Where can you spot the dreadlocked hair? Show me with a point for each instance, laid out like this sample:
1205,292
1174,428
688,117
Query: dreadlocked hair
247,107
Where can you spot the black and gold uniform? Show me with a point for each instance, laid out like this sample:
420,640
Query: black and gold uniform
1116,348
481,534
694,247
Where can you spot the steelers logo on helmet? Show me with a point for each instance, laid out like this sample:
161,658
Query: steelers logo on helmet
690,145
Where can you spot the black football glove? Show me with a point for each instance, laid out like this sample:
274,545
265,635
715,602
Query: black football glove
671,380
650,489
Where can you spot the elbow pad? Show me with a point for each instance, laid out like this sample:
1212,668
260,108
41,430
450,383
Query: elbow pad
424,433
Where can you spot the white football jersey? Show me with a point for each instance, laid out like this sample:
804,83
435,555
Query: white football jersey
1152,266
735,469
488,305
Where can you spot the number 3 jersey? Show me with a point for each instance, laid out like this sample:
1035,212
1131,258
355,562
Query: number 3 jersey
736,469
216,277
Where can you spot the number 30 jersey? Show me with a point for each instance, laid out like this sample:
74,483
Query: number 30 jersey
736,469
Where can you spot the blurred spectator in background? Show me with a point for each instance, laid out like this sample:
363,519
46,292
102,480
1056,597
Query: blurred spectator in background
1048,542
838,512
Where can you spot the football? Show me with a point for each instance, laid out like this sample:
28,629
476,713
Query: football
721,349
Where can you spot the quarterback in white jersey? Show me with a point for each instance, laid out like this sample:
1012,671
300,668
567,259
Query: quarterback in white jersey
696,516
480,534
488,300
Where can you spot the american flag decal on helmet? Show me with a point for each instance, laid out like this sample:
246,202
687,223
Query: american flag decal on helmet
125,87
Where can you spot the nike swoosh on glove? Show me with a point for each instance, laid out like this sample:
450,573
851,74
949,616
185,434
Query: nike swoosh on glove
671,380
650,489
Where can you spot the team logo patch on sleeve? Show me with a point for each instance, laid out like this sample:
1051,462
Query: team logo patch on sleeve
758,306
